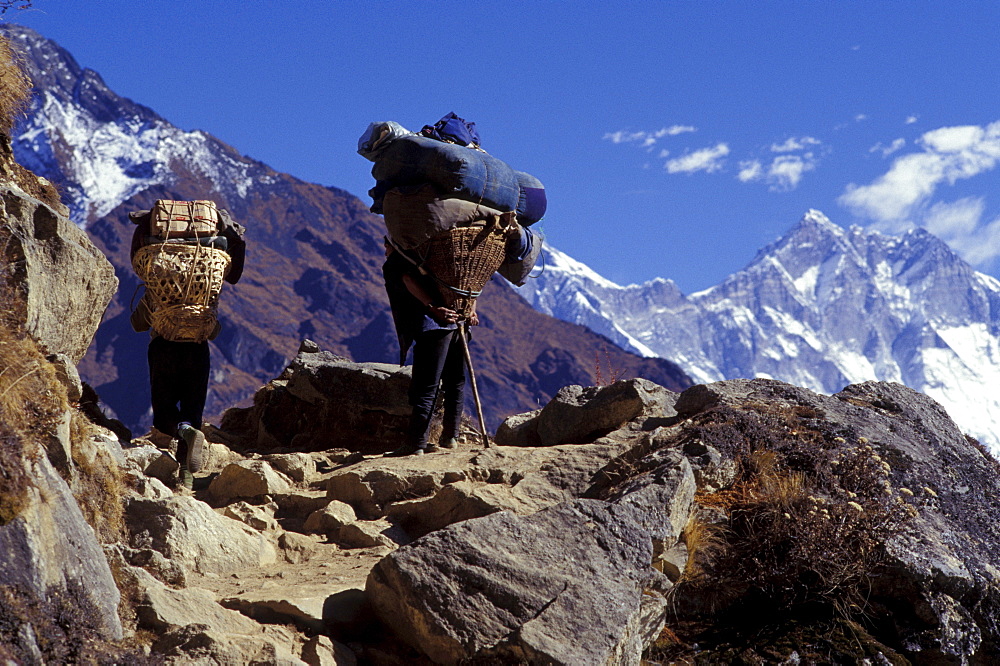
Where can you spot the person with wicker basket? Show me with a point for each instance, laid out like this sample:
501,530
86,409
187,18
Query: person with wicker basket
183,251
453,214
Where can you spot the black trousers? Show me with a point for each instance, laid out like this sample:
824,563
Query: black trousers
438,365
178,381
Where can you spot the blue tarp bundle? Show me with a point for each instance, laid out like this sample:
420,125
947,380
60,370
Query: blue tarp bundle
456,171
403,158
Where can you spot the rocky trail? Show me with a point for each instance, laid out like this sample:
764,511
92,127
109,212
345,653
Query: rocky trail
566,542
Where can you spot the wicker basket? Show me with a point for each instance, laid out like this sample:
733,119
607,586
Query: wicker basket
183,283
463,259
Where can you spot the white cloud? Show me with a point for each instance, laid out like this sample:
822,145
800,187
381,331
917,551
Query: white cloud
792,144
786,171
860,117
706,159
958,139
959,224
782,175
750,170
893,147
674,130
625,137
647,139
903,196
949,154
910,120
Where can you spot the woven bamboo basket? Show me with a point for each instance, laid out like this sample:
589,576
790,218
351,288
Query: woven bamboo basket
462,260
183,283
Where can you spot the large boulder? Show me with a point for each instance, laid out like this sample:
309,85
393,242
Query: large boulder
195,538
247,478
49,550
158,607
571,584
200,644
62,282
322,401
579,414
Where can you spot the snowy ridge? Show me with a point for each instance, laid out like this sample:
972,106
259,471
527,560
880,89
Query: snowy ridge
822,307
579,305
102,149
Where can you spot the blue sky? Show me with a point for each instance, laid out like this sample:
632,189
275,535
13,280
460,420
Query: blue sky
675,139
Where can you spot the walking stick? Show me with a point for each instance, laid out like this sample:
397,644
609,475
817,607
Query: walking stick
472,378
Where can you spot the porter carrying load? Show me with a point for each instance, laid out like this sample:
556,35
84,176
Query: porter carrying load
451,211
183,251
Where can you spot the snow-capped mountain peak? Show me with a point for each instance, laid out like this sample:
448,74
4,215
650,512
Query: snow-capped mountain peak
821,307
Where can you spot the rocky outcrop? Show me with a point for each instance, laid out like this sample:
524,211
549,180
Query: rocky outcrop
933,583
935,591
61,282
323,401
49,549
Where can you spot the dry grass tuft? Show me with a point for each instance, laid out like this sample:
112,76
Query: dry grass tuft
15,97
15,87
705,542
29,410
100,487
66,629
802,531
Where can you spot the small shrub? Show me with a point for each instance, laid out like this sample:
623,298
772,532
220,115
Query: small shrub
807,519
606,374
66,629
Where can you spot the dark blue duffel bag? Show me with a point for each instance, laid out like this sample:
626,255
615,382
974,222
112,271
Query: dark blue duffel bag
531,200
457,171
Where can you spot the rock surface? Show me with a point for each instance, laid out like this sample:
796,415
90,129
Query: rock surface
49,548
510,587
577,414
192,536
941,579
247,478
64,283
323,401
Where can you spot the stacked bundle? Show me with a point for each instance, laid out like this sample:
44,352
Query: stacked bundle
440,179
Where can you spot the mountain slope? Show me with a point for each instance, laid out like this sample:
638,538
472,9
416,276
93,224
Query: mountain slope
313,265
821,307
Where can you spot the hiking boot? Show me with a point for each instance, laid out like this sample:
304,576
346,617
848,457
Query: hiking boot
405,450
449,443
196,446
431,448
185,478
